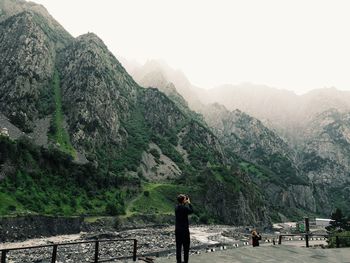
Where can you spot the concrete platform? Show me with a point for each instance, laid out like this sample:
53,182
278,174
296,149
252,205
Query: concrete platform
270,254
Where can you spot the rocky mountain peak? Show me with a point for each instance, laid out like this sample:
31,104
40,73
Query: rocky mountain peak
51,27
92,39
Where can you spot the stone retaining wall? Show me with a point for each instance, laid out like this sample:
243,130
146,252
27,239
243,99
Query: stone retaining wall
24,227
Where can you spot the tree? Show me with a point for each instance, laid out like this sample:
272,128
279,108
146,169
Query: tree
339,222
339,230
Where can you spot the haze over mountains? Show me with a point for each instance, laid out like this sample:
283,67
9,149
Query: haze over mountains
99,136
282,110
309,131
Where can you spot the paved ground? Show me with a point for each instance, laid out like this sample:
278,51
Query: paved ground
270,254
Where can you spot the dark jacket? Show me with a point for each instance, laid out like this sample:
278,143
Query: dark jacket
255,240
181,214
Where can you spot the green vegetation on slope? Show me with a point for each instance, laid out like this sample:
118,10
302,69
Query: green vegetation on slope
59,134
137,142
339,197
45,181
156,198
121,160
159,199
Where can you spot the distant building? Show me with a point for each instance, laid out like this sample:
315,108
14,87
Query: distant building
4,132
323,222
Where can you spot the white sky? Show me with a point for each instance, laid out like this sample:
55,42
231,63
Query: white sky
289,44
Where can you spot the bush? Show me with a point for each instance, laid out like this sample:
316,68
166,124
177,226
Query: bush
204,219
11,208
195,219
146,193
155,153
117,223
114,209
344,239
111,209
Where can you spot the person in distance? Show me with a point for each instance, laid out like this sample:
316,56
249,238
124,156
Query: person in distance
182,232
255,238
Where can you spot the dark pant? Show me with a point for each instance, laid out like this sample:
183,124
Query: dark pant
182,239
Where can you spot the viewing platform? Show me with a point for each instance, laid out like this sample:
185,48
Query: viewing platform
278,253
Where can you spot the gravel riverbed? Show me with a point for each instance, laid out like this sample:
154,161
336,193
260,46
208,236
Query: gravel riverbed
149,240
157,240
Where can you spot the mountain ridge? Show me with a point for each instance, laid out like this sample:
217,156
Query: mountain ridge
306,188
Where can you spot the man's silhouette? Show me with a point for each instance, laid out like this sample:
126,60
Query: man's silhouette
182,232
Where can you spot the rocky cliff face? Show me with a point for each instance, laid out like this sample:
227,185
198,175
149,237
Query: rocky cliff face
27,59
268,159
326,157
196,152
53,29
247,136
97,93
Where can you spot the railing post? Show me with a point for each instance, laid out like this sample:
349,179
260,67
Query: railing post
135,250
96,251
279,239
3,256
337,241
54,254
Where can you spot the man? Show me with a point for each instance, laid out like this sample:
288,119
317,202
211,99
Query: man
255,238
182,232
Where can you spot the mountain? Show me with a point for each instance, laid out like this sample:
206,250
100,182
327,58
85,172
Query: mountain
284,111
158,74
326,156
48,24
274,135
87,138
265,157
29,40
108,145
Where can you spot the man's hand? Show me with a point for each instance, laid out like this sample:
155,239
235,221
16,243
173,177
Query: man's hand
188,200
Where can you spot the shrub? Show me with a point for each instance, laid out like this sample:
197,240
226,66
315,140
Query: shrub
155,153
11,208
204,219
111,209
344,239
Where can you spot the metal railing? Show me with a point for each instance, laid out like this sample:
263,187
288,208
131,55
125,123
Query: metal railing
4,252
306,237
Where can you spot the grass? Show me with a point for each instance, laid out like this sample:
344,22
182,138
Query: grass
6,202
161,199
60,135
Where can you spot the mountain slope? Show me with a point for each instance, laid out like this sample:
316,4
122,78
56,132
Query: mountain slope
27,59
157,74
269,161
284,111
129,135
96,92
326,157
287,168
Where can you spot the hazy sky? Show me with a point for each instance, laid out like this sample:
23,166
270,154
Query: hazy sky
291,44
